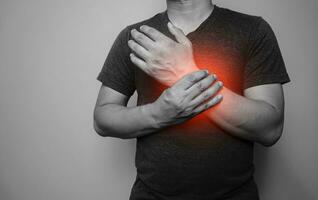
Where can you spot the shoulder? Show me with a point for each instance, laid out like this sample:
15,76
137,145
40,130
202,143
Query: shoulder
249,26
241,19
253,22
124,33
153,21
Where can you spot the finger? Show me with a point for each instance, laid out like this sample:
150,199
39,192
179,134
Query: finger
153,33
207,94
208,104
190,79
138,62
142,39
139,50
200,86
178,33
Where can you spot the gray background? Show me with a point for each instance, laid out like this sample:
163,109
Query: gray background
50,55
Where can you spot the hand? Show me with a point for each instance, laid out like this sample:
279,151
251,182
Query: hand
187,98
161,57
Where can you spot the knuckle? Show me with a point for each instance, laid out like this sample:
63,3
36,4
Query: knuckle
150,57
153,70
168,92
188,43
151,31
171,44
160,54
216,87
139,37
131,43
196,111
179,107
167,99
156,61
206,95
206,106
199,86
136,47
191,78
188,110
171,93
213,101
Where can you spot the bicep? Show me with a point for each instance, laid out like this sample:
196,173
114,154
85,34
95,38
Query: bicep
269,93
108,95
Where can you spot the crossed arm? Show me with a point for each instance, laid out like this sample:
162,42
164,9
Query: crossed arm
113,118
256,116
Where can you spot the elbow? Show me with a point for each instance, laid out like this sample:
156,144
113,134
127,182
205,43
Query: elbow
273,133
268,142
98,127
272,136
100,131
104,127
104,132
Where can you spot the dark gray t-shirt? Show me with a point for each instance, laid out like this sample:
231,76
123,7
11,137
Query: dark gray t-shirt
198,159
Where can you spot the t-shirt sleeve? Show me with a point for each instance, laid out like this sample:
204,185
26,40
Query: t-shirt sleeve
118,71
265,63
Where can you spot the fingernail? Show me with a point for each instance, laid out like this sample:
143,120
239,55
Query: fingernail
206,71
215,76
220,83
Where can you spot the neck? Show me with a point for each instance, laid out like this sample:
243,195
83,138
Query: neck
188,11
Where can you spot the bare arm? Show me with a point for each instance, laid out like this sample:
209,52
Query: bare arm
257,116
175,105
113,118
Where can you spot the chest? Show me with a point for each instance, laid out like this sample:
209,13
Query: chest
220,54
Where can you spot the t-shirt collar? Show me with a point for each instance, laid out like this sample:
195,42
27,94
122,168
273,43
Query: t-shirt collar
209,20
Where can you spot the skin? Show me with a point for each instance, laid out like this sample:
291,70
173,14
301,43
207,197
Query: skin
183,100
179,103
188,14
256,116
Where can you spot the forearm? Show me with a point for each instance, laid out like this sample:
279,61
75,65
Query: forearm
246,118
125,122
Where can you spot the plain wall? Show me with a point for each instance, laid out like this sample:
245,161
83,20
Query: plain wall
50,55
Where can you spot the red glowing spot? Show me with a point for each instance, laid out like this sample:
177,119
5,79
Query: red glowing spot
222,61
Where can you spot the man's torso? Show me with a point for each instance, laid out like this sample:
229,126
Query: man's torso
198,159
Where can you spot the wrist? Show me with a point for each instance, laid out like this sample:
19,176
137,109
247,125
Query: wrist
192,68
151,114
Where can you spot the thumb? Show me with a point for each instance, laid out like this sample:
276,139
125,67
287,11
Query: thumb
178,33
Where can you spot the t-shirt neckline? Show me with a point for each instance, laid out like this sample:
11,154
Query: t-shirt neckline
210,19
